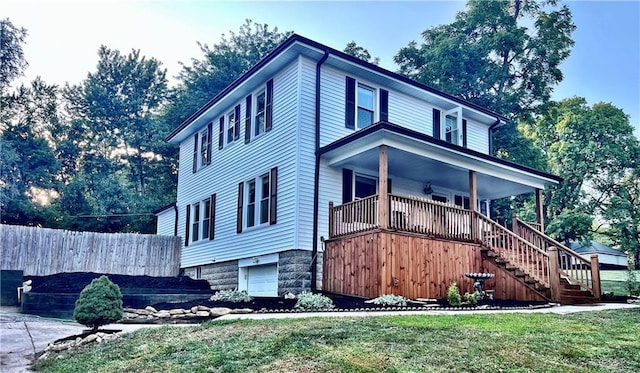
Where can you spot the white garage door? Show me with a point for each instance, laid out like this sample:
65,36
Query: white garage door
262,281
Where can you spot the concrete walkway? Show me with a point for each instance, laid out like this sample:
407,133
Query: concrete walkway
23,336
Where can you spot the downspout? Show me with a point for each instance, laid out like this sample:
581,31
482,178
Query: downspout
491,135
175,220
316,178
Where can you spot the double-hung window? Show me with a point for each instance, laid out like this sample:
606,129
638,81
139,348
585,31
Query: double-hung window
200,217
365,186
231,126
451,131
202,148
366,99
260,112
257,200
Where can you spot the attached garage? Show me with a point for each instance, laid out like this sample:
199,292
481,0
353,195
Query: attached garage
259,276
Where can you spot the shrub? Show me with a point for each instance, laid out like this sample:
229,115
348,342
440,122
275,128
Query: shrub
390,300
453,295
633,285
313,302
235,296
100,303
472,298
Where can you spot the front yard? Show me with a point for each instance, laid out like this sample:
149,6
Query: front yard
602,341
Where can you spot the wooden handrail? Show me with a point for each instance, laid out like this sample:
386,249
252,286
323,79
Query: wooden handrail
353,217
571,264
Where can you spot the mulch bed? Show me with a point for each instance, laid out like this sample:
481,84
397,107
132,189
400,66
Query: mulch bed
76,281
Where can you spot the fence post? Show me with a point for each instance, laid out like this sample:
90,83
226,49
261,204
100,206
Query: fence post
331,234
554,274
595,276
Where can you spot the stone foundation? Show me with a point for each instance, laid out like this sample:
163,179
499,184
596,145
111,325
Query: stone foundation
221,276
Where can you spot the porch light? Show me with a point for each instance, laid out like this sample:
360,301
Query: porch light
427,189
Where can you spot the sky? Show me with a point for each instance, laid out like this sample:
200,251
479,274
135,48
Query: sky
64,36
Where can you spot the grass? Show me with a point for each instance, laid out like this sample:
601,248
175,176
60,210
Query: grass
615,282
601,341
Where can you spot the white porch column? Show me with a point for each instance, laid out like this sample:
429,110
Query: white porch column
539,209
473,190
383,198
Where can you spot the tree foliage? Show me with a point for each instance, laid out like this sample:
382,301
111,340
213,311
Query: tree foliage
12,61
357,51
221,64
100,303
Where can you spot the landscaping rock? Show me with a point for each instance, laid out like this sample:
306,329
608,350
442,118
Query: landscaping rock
219,311
241,311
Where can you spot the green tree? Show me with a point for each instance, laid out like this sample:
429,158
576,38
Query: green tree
12,61
594,150
357,51
622,214
502,54
112,148
100,303
221,64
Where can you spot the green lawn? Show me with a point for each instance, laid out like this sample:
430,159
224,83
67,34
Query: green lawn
615,282
604,341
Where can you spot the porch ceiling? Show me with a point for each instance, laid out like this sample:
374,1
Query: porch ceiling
428,161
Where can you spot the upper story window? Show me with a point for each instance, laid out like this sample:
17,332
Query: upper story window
261,102
259,112
451,131
200,219
231,126
365,113
257,200
202,148
363,107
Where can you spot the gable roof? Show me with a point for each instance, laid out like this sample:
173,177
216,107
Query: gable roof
594,247
297,39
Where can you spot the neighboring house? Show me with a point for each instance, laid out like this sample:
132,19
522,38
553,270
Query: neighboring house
312,152
609,257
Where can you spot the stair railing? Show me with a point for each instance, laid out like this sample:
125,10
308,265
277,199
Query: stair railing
533,261
574,267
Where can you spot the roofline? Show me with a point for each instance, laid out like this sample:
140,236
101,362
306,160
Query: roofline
314,44
165,207
380,126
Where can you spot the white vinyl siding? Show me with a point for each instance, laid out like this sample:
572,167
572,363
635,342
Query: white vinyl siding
166,222
239,163
478,137
410,113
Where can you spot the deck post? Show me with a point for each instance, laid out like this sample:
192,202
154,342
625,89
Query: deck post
473,203
554,274
383,199
331,232
539,209
595,276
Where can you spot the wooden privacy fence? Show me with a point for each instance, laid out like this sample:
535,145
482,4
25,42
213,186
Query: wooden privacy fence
42,252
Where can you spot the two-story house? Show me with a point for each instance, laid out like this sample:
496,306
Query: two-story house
317,170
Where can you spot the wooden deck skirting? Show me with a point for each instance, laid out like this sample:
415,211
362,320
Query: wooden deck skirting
380,261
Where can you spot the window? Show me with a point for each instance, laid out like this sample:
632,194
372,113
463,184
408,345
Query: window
202,148
365,186
201,220
451,129
231,126
365,110
251,203
461,201
257,200
264,199
260,112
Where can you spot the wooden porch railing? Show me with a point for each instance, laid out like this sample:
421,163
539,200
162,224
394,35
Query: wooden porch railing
522,254
436,219
353,217
571,265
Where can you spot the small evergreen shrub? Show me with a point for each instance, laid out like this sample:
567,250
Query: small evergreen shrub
390,300
235,296
472,298
453,295
100,303
313,302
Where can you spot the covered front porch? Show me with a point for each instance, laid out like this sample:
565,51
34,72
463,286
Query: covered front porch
415,217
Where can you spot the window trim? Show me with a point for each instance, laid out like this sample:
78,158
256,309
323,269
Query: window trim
254,130
457,114
264,204
196,218
357,175
374,101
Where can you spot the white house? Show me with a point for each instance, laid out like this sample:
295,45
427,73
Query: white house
309,125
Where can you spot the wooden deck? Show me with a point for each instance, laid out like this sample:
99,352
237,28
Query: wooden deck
416,248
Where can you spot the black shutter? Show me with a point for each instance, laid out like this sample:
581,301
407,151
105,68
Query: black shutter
212,217
209,140
186,230
269,107
389,186
240,207
436,123
273,196
195,153
464,133
236,126
247,120
221,133
350,103
347,185
384,105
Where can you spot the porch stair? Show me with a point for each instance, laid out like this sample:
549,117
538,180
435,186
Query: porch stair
543,265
